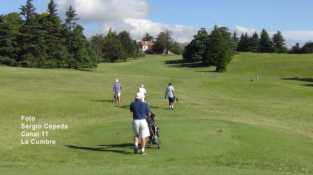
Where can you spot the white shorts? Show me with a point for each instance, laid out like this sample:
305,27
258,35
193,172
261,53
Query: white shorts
117,94
140,128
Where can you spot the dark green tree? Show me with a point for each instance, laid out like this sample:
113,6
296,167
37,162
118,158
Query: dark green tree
10,25
195,49
236,40
243,45
80,52
113,49
220,49
266,44
28,11
97,43
32,48
55,39
307,48
129,45
176,48
71,19
52,9
253,45
279,43
163,42
296,49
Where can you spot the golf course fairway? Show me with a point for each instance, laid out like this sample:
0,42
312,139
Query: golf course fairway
254,119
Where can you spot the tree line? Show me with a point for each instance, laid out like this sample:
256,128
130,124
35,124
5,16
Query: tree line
218,47
115,47
30,39
263,43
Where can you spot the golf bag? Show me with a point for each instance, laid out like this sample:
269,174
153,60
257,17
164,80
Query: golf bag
154,139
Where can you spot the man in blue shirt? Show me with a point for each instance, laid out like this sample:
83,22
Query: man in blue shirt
140,112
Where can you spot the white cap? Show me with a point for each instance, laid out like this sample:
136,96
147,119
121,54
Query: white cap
139,96
116,80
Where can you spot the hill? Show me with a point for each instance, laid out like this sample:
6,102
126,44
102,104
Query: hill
257,118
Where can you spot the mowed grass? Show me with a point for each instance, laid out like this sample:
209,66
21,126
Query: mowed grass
257,118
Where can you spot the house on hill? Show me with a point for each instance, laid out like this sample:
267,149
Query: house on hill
146,45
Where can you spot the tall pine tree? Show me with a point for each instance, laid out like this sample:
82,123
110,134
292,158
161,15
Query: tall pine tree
243,45
28,11
80,53
55,40
279,43
254,43
265,44
32,48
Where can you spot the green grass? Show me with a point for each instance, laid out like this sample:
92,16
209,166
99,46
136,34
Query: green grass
224,124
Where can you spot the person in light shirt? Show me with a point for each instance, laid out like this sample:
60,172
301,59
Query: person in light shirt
117,91
142,91
170,95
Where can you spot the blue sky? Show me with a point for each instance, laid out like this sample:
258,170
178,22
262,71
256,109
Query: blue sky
271,14
291,16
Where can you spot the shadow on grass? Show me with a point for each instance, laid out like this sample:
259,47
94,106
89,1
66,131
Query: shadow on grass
310,85
114,148
103,101
182,63
207,71
128,106
309,80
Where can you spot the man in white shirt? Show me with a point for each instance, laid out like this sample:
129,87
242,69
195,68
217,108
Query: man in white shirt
142,91
170,94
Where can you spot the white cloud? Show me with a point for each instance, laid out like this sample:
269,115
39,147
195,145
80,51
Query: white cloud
241,30
106,10
130,15
138,27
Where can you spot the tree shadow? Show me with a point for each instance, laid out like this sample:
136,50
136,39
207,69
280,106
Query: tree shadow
182,63
299,79
207,71
114,148
309,80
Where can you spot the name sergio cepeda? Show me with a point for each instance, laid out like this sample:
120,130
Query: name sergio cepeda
45,126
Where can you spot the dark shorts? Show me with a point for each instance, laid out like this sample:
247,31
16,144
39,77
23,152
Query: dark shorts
171,99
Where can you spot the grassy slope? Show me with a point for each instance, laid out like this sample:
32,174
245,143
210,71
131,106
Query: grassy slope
224,123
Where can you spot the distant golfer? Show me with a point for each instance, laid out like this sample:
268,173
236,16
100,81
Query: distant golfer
142,91
140,112
117,92
170,95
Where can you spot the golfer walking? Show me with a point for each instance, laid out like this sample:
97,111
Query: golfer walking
117,92
142,90
140,112
170,95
